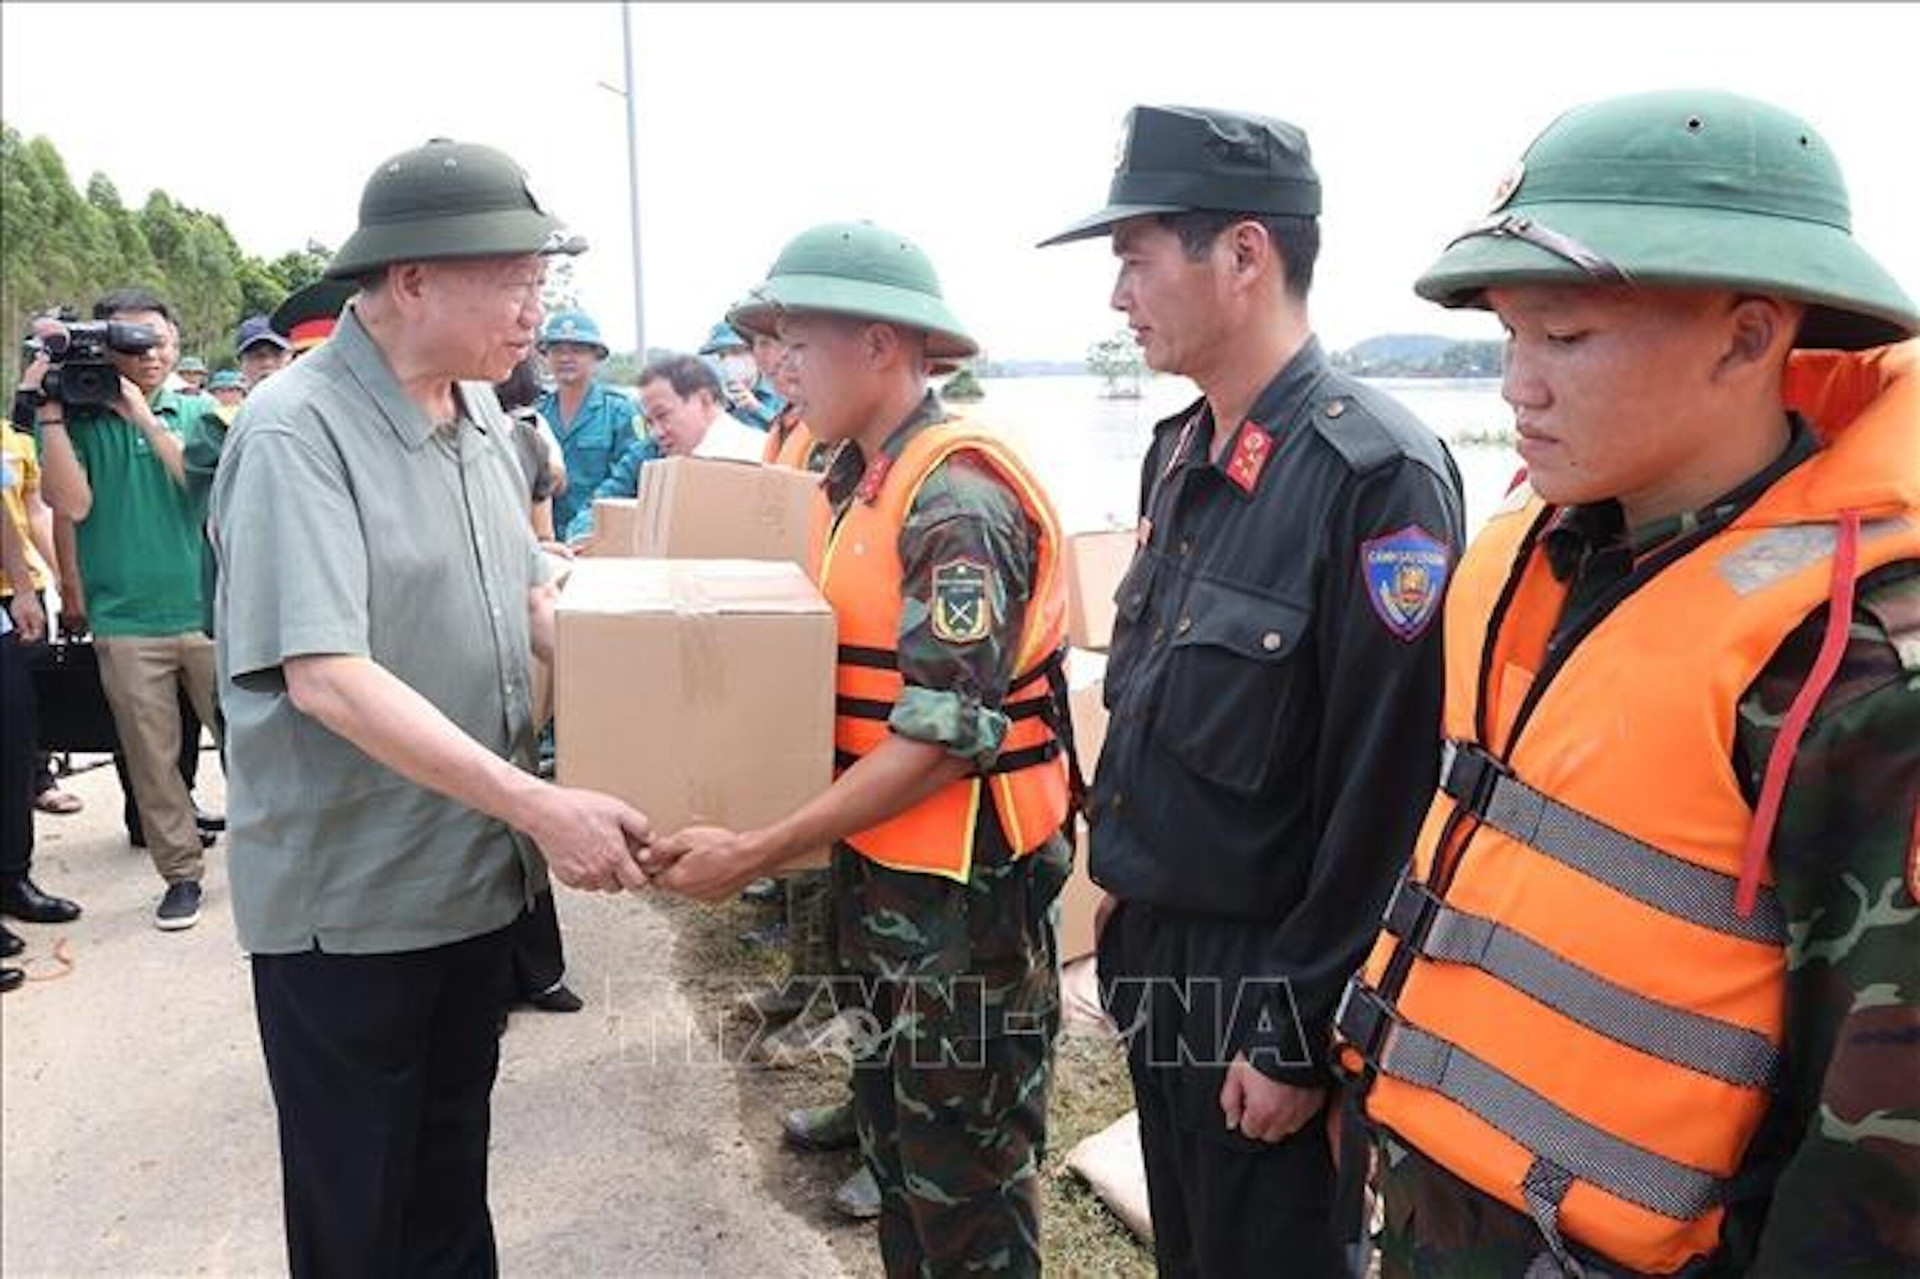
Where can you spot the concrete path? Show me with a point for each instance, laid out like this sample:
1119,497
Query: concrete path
137,1134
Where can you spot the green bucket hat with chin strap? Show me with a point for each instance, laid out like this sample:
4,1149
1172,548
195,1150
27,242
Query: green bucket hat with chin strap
856,269
1682,188
448,200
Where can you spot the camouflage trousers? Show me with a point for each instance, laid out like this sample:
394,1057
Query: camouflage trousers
809,926
953,1127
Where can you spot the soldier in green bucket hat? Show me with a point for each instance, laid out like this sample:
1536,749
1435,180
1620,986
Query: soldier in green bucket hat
1648,997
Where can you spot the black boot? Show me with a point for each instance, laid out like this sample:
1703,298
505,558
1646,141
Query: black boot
10,943
23,900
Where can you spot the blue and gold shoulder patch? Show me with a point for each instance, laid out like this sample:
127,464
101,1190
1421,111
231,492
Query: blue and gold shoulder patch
1406,576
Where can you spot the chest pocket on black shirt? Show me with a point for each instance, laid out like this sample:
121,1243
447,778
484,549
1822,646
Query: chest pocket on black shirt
1130,601
1232,669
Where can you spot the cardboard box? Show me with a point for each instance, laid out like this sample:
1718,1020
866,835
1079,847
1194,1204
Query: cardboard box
1079,901
1095,563
699,691
1080,897
616,527
713,508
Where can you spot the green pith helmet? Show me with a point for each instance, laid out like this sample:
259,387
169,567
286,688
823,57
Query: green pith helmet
1682,188
576,327
448,200
861,270
721,337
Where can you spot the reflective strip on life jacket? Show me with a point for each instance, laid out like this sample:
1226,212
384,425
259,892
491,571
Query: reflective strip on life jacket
1577,1001
859,571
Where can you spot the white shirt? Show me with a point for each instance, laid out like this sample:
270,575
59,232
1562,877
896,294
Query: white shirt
729,437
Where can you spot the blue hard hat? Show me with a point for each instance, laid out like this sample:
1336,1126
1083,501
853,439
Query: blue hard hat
572,326
724,337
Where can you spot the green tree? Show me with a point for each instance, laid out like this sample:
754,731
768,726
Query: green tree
62,246
1119,360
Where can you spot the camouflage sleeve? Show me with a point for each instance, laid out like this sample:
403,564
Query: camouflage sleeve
1848,1197
966,563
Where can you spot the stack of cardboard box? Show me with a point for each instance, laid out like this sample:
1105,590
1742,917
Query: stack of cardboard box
708,508
694,663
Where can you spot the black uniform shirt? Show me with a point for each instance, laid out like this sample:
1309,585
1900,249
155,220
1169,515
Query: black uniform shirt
1275,677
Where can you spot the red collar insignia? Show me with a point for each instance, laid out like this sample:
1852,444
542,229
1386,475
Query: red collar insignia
876,475
1251,449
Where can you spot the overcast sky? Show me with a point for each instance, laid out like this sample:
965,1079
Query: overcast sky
974,129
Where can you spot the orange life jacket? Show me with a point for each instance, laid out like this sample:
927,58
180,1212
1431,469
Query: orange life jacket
858,569
1577,1001
789,443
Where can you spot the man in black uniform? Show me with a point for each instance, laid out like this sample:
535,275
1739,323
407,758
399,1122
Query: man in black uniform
1274,685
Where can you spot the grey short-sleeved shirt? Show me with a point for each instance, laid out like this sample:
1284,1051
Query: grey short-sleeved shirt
345,523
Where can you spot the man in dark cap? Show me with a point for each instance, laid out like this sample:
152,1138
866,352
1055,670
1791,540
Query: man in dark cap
262,351
1274,684
1648,999
387,825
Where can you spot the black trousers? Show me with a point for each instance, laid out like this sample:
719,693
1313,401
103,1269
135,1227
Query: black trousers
539,958
1223,1204
382,1068
16,760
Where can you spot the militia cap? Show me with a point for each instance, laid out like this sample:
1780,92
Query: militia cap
1183,159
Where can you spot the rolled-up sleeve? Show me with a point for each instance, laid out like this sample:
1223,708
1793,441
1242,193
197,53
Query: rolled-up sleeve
966,559
293,559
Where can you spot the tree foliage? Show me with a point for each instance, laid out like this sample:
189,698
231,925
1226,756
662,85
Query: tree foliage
1119,360
61,246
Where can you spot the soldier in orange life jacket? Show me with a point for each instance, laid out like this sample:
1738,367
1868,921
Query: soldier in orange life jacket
1648,999
940,555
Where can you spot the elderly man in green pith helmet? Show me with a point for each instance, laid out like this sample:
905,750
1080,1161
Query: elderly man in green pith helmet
940,554
1648,999
381,599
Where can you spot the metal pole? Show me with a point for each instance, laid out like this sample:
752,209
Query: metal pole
633,179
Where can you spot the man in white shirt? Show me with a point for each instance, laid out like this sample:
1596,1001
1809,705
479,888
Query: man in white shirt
687,416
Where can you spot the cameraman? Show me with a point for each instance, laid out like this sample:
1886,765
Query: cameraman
117,472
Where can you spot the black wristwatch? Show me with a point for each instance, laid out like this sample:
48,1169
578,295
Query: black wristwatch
29,395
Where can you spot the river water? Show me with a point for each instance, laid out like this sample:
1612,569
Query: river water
1088,448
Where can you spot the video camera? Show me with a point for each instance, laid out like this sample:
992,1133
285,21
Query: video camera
82,373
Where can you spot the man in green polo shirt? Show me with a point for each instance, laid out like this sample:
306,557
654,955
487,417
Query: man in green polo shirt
380,599
117,472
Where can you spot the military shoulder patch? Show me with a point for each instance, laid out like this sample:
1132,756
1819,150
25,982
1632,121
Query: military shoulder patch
1406,575
961,611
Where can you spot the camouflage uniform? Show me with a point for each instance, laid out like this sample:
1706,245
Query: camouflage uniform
955,986
1835,1170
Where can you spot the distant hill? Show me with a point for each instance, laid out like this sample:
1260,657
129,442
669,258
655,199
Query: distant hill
1420,355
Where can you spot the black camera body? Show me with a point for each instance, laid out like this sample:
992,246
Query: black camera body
81,372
